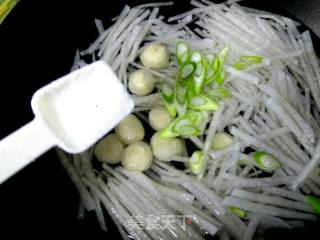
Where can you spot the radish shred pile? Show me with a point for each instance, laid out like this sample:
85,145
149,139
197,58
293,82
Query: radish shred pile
274,107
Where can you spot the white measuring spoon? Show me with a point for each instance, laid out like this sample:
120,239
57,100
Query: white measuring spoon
72,112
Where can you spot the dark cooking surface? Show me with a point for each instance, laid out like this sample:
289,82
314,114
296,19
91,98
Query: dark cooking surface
37,44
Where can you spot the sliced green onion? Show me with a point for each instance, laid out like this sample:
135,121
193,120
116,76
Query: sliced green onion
185,127
209,74
223,55
314,203
168,132
198,77
220,75
218,93
199,118
182,53
246,61
196,57
212,69
181,108
238,211
181,126
187,70
196,162
200,68
265,161
181,92
167,95
208,59
203,103
199,73
215,69
219,79
191,90
6,7
188,125
187,98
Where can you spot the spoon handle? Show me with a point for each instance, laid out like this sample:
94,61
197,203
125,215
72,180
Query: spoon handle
22,147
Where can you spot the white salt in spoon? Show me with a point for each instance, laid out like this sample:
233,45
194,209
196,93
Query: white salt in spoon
72,112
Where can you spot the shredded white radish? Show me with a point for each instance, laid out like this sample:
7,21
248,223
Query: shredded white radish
269,210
